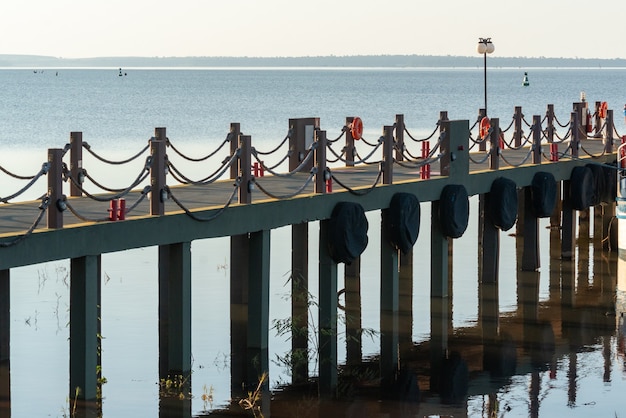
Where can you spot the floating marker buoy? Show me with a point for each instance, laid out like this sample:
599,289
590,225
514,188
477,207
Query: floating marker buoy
525,81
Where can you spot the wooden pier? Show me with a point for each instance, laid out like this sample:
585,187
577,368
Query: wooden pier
171,217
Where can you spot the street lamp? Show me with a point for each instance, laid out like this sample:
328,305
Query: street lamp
485,46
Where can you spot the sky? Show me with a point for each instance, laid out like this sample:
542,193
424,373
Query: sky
268,28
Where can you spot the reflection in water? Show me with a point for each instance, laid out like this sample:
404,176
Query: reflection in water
559,348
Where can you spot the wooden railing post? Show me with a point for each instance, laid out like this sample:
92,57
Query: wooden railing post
301,136
399,131
597,121
76,162
233,135
608,138
575,138
482,146
350,150
550,121
245,162
494,139
517,133
55,188
320,161
388,155
537,137
157,171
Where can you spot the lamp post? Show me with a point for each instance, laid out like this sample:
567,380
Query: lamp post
485,46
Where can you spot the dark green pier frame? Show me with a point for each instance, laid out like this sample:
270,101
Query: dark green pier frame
249,224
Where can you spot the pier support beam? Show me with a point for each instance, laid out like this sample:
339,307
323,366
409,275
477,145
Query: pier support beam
568,229
530,232
175,310
299,302
249,309
389,304
439,297
5,314
352,278
327,316
84,326
259,305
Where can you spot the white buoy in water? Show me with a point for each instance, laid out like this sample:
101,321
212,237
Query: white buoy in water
525,82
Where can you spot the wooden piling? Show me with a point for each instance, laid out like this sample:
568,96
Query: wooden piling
389,303
175,310
258,305
327,316
568,235
531,260
5,314
300,301
85,275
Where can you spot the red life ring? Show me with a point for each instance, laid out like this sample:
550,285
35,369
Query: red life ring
485,126
603,108
356,128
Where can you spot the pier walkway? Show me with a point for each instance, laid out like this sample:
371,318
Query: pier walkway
317,174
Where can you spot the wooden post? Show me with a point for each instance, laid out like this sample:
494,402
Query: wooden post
233,138
245,162
518,116
399,131
530,253
239,273
301,136
482,146
350,148
175,310
258,305
76,162
5,314
84,326
597,132
157,171
320,161
490,248
300,301
575,138
550,122
389,303
454,161
352,278
327,316
608,137
568,238
537,137
388,155
55,187
494,142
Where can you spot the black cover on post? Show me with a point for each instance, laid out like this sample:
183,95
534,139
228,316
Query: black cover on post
543,194
598,181
347,237
502,203
454,210
582,188
404,221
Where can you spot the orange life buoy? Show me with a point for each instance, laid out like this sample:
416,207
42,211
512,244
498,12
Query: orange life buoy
356,128
603,108
485,126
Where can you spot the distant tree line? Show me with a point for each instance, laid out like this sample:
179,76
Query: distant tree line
393,61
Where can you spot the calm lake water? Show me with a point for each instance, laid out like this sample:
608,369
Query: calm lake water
117,115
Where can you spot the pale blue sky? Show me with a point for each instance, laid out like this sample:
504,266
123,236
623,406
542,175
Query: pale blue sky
532,28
